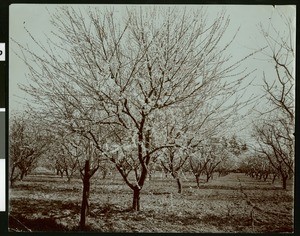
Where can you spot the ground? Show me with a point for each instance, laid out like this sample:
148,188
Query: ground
232,203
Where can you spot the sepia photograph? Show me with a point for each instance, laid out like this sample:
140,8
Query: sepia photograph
151,118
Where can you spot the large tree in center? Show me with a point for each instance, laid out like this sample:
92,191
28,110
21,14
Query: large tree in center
109,76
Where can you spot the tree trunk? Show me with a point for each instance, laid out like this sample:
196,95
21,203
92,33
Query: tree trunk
198,180
207,177
266,176
22,175
85,195
179,185
284,181
104,173
175,176
67,172
274,177
136,198
69,179
12,179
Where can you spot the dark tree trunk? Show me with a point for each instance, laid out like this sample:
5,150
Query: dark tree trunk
61,173
12,183
266,176
284,181
104,173
22,175
207,177
198,180
274,177
69,175
67,172
179,185
85,195
136,198
176,177
12,178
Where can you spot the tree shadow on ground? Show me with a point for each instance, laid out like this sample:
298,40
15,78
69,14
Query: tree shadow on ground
22,224
44,206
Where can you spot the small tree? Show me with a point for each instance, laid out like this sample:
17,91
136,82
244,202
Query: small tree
66,156
210,153
28,142
277,145
87,161
176,130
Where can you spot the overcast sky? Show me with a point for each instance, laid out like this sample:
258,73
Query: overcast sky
36,19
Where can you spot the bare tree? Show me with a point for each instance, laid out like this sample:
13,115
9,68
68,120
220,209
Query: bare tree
275,131
66,156
215,153
259,167
85,157
86,173
176,129
27,143
277,144
173,162
115,75
235,149
207,157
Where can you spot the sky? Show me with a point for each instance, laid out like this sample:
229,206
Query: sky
35,18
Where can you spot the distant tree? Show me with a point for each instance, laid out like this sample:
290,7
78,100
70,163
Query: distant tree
27,143
236,149
210,153
257,167
216,154
66,157
173,164
176,129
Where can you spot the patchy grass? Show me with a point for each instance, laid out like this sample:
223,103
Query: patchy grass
50,203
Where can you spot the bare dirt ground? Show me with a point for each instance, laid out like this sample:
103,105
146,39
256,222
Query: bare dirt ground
233,203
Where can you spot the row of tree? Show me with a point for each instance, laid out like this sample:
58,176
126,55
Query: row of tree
66,157
274,133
